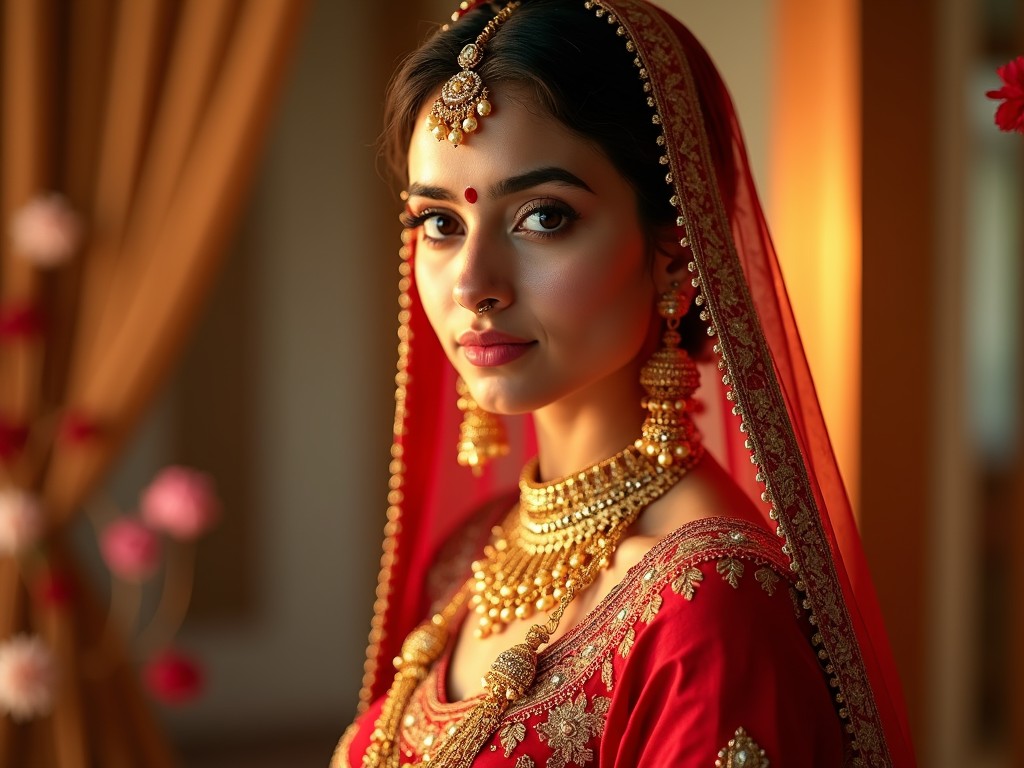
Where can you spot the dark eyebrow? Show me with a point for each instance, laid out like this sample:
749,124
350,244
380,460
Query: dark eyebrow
434,193
507,186
535,178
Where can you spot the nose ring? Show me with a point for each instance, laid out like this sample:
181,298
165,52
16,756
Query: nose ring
485,306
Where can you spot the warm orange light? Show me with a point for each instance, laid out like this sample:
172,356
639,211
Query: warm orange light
814,194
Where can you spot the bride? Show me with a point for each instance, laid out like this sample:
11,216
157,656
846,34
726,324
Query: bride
587,274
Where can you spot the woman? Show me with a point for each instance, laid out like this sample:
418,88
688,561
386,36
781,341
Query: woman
677,580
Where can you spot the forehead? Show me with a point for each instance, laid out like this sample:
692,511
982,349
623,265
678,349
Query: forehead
514,138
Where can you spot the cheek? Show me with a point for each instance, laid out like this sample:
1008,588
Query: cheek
603,297
435,294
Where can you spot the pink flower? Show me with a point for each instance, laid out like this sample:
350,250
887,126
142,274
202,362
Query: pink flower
180,502
46,230
130,549
21,521
27,677
173,678
1010,114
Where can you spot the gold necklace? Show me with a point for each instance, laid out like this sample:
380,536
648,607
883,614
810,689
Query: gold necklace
559,529
552,546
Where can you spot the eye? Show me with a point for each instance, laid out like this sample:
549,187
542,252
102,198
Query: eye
546,218
439,226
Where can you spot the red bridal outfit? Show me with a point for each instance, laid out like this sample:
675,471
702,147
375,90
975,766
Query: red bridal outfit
729,643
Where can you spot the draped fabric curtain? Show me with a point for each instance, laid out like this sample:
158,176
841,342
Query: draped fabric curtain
147,116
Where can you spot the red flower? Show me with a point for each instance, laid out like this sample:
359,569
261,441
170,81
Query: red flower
55,588
20,321
1010,114
76,429
173,678
12,439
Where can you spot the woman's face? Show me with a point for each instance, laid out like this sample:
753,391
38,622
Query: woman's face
553,244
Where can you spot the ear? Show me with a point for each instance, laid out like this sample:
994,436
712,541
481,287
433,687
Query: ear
670,262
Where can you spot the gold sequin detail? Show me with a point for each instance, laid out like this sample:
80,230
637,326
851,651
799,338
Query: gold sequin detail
510,737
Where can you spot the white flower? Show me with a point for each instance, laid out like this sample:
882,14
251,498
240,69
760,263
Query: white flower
21,521
27,677
46,231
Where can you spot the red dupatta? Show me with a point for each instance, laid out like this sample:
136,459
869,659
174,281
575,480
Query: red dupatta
761,420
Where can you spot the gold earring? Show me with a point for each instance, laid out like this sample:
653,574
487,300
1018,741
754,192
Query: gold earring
670,378
482,435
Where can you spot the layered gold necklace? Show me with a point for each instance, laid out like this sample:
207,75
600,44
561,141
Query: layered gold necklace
552,546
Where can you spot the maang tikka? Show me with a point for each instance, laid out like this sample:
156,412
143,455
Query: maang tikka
670,378
482,435
464,98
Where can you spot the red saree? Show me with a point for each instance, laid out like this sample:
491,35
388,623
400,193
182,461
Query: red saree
671,664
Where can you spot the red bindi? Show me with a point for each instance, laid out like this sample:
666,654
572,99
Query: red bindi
471,195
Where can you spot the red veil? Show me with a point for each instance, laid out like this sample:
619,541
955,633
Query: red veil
761,415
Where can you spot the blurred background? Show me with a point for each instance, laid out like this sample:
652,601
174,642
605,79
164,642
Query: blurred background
232,308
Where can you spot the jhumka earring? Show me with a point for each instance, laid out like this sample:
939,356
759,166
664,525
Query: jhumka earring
464,97
482,435
670,378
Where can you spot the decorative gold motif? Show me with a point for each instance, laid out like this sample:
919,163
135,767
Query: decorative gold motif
731,570
741,752
686,582
482,435
563,530
510,736
651,609
525,761
627,643
340,757
607,673
570,728
768,579
464,98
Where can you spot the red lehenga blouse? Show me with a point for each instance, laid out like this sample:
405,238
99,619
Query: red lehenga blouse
723,626
701,653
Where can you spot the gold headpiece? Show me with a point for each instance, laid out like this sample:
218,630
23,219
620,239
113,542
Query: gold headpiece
464,97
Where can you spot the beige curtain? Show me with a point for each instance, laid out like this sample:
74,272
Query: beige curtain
148,116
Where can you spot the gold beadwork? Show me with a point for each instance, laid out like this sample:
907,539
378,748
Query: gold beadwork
464,98
482,435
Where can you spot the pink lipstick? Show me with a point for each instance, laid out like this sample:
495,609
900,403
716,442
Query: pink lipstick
488,349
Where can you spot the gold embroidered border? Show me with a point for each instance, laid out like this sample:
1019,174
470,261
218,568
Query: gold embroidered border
754,386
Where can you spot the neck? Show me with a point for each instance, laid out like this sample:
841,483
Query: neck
590,425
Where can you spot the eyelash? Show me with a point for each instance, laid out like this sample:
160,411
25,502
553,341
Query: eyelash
410,220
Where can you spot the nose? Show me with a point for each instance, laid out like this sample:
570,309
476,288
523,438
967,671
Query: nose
483,283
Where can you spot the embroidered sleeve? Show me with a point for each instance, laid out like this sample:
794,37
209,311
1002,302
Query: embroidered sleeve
720,673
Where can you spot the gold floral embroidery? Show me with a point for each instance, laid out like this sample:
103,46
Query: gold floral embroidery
731,570
627,643
511,735
651,609
685,583
606,673
525,761
767,578
741,752
570,728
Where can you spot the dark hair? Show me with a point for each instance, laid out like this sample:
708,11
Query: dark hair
580,72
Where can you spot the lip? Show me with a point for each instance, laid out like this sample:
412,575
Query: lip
489,349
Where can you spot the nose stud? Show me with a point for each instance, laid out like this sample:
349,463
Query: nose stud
485,306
